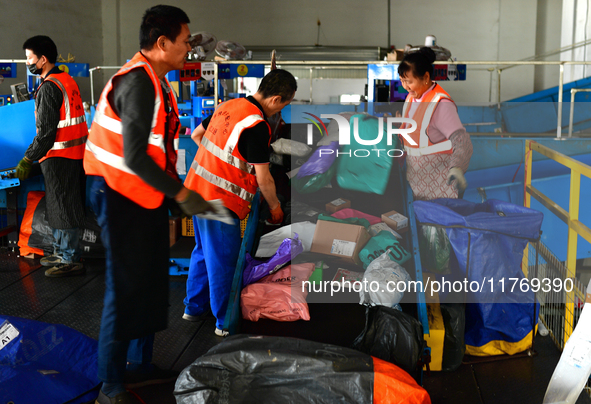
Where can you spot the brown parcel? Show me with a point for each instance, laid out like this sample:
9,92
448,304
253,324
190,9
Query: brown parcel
339,240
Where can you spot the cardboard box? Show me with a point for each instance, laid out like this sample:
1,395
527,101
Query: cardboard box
339,240
396,221
375,229
174,229
394,55
337,205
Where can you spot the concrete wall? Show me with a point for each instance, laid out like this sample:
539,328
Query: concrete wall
472,30
106,32
75,27
548,27
576,29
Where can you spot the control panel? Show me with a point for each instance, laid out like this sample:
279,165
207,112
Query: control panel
5,100
8,179
203,107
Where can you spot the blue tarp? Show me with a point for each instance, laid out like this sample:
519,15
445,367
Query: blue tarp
45,363
497,233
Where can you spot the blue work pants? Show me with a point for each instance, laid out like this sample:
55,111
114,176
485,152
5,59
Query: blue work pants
212,267
67,244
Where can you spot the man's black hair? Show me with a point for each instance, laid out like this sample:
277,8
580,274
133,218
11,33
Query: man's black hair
42,45
278,82
161,20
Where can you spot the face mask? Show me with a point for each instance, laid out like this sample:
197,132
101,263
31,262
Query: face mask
34,69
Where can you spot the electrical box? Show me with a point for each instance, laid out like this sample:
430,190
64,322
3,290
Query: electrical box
191,71
203,107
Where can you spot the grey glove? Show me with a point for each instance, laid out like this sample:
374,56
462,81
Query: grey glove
455,173
195,204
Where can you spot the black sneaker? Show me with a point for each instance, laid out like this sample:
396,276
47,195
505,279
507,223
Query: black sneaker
51,261
61,270
121,398
199,317
142,377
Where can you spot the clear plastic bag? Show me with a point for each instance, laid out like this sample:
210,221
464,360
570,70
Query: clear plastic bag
387,278
293,147
435,249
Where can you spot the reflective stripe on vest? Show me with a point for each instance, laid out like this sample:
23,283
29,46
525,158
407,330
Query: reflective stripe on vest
226,157
104,149
68,121
68,126
219,171
221,182
424,147
69,143
115,126
238,128
108,158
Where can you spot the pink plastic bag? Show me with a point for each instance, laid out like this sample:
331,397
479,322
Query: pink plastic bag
348,212
278,296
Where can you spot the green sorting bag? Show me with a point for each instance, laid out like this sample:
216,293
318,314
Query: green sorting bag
378,245
313,183
368,167
350,220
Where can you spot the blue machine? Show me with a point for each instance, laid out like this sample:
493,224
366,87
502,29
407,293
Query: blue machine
8,71
200,103
16,133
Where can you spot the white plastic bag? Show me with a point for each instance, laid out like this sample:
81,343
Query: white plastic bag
574,366
288,146
384,282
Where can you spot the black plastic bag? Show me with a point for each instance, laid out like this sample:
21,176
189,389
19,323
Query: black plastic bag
454,319
41,237
393,336
257,369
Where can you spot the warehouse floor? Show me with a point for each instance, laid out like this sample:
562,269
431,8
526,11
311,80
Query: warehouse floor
77,302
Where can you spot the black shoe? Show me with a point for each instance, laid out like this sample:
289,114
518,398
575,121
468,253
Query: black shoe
156,375
200,317
61,270
121,398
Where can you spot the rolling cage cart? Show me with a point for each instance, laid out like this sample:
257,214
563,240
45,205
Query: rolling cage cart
233,313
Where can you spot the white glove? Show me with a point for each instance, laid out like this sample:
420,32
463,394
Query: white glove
455,173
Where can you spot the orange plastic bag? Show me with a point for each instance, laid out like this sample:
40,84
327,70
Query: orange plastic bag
33,199
393,385
278,296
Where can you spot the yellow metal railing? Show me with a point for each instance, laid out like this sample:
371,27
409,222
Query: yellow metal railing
570,217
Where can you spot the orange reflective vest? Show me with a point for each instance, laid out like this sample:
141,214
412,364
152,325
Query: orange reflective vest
422,116
219,171
104,148
72,131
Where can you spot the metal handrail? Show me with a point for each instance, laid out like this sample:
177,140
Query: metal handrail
325,63
570,216
92,81
573,91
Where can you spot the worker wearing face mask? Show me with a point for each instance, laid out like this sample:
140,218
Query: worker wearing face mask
59,147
